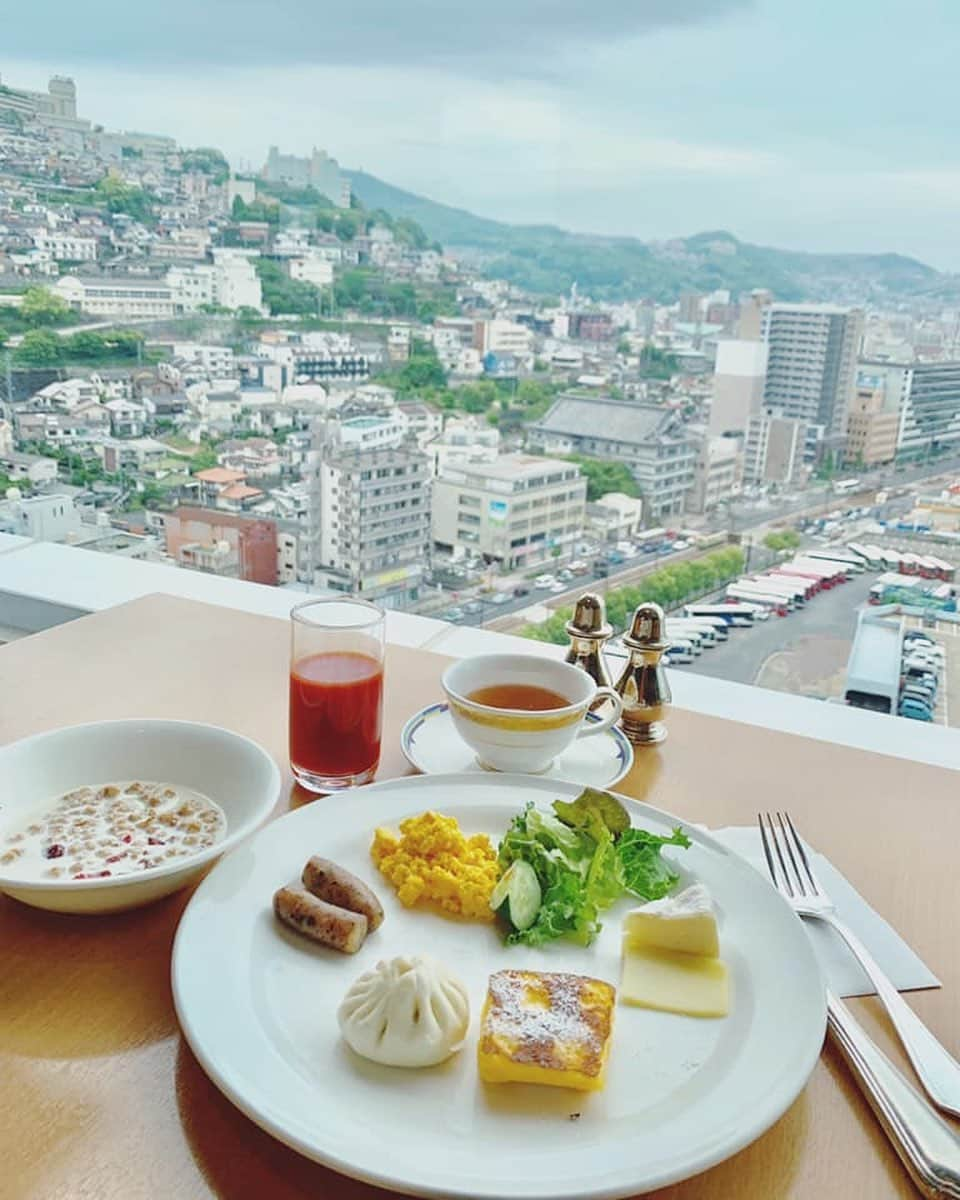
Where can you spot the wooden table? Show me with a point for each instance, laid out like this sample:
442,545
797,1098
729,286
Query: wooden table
100,1099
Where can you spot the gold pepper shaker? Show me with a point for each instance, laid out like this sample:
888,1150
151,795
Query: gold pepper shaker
643,683
589,632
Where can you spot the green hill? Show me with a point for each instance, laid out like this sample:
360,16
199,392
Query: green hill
543,258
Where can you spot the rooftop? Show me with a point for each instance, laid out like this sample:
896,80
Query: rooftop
220,475
514,466
615,420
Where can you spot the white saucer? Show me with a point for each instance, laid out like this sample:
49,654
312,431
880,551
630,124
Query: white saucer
432,745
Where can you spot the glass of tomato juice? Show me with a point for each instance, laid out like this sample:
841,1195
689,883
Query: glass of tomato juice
336,692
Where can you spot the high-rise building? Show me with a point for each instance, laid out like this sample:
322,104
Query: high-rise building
738,385
927,397
812,364
368,528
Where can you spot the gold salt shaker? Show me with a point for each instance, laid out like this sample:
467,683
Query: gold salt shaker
643,683
589,632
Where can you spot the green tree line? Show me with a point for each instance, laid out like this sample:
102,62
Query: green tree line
782,539
668,587
42,348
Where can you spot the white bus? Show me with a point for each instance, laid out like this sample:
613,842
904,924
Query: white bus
845,487
730,614
754,594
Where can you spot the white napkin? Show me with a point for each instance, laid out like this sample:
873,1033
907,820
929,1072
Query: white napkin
843,972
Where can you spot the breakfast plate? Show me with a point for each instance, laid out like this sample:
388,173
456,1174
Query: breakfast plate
258,1006
430,743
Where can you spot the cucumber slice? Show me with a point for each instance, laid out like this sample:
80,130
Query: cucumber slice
518,890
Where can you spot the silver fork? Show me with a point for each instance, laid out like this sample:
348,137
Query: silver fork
794,878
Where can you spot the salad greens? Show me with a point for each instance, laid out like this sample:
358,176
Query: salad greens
585,855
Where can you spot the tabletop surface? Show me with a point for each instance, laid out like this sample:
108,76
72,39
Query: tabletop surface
100,1097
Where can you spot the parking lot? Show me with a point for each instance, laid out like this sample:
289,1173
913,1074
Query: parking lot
947,634
805,653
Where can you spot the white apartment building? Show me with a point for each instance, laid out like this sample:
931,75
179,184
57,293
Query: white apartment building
230,282
812,364
371,522
500,336
927,397
66,247
117,297
43,518
215,360
515,510
313,269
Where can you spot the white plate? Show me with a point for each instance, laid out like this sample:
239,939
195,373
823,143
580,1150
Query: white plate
430,743
258,1006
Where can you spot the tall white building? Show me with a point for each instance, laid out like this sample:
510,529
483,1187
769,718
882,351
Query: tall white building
739,378
812,364
368,526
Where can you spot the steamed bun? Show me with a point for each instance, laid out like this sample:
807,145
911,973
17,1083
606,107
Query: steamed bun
408,1012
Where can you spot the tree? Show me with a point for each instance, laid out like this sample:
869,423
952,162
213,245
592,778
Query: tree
786,539
657,364
41,307
39,348
204,459
122,197
623,346
283,295
347,226
209,161
604,476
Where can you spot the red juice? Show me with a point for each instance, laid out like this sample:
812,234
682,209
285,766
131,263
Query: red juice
336,704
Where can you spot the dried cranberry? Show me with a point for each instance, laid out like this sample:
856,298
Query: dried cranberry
81,875
103,873
127,838
116,857
53,851
155,842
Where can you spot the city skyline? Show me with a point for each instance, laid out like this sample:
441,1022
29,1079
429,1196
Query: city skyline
787,127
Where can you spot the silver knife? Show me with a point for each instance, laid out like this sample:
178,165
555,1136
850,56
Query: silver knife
928,1147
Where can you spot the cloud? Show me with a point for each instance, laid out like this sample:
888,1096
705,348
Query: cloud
493,36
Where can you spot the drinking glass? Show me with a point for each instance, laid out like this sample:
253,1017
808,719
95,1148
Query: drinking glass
336,692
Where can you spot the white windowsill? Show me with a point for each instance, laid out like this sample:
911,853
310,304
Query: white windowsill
44,584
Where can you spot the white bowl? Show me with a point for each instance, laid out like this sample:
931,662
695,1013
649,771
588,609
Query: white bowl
230,769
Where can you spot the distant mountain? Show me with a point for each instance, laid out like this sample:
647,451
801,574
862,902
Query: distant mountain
543,258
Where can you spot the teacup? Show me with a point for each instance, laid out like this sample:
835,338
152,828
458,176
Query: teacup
517,739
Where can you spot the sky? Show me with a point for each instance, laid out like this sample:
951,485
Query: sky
808,124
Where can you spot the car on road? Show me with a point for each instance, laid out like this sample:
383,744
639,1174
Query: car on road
521,591
614,556
681,544
665,548
472,607
454,614
566,574
499,598
557,587
543,583
579,567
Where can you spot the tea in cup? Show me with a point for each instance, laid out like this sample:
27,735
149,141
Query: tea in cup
517,712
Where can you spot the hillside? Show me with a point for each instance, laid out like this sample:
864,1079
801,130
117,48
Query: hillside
543,258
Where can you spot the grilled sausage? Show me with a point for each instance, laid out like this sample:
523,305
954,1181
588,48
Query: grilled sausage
337,886
322,922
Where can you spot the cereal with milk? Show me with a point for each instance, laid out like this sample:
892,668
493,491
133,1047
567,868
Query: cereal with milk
96,832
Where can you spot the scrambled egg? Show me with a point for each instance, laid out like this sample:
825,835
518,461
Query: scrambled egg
431,862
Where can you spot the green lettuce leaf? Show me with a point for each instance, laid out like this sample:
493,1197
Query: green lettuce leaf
645,872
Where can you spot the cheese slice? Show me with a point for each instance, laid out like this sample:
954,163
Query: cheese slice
673,981
685,922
